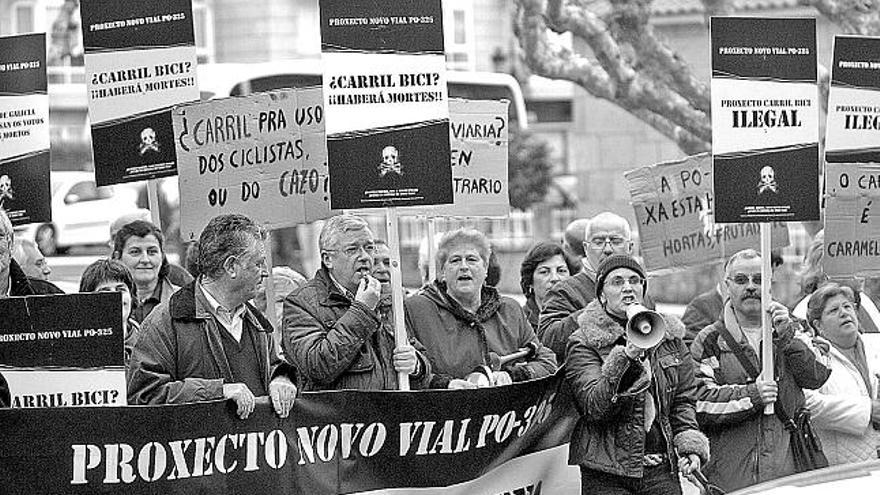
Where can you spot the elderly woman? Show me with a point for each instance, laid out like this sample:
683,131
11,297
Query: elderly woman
638,424
112,276
544,266
845,409
461,321
813,275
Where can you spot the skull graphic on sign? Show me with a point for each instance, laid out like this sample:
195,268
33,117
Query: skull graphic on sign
768,181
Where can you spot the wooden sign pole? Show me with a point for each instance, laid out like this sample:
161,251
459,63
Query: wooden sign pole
766,327
400,337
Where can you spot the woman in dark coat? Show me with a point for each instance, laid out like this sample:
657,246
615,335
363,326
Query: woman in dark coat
638,424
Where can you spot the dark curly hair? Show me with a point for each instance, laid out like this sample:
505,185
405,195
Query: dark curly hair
540,253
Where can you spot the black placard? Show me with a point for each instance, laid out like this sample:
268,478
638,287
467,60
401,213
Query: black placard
68,330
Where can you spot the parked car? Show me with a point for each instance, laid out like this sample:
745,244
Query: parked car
81,212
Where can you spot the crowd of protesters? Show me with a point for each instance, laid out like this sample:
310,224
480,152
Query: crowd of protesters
691,403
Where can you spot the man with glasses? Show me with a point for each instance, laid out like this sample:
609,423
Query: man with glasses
13,279
333,333
207,341
748,446
605,234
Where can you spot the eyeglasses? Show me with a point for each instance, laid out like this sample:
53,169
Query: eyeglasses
355,249
600,242
743,279
617,282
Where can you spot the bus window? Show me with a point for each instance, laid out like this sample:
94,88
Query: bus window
268,83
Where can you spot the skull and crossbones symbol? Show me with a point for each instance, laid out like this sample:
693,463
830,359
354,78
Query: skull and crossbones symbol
148,141
768,180
390,161
5,189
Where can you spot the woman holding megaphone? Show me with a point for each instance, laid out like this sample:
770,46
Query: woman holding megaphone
633,384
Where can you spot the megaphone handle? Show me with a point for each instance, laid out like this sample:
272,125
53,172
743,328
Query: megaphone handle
523,352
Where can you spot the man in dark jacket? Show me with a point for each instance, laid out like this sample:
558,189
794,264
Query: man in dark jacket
207,342
333,334
748,446
13,281
606,234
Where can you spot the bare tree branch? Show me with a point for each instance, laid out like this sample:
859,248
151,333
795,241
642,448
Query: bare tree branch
629,65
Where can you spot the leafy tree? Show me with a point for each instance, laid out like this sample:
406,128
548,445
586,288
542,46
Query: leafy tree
632,67
529,169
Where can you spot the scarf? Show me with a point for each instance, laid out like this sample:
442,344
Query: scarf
489,305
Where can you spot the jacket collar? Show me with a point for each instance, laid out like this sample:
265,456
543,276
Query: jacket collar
189,303
18,281
333,294
601,330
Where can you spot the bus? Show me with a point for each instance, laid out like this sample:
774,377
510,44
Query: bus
220,80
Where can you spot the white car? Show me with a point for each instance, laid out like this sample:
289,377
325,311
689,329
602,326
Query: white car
81,212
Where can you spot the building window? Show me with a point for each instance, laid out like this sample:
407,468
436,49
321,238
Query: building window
458,27
203,24
23,18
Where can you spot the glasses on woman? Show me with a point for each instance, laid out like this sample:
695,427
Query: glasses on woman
617,282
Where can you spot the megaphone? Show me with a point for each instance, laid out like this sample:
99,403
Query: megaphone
644,328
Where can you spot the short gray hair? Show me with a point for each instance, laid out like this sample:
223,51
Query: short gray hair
607,216
224,236
821,296
744,254
463,236
336,226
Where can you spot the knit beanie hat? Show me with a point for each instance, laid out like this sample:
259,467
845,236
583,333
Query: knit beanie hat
613,262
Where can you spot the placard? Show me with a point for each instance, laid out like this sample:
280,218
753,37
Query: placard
852,220
263,155
63,350
765,127
673,203
140,60
853,119
479,139
511,439
25,190
386,103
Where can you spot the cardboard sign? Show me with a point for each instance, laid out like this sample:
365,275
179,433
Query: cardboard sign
386,103
140,60
479,139
852,221
25,191
63,350
854,101
673,203
263,155
765,127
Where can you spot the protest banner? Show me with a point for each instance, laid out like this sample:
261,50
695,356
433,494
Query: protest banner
852,227
386,103
25,192
673,204
140,60
854,101
510,439
765,119
263,155
63,350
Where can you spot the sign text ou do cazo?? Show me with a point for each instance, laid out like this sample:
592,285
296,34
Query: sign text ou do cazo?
263,155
